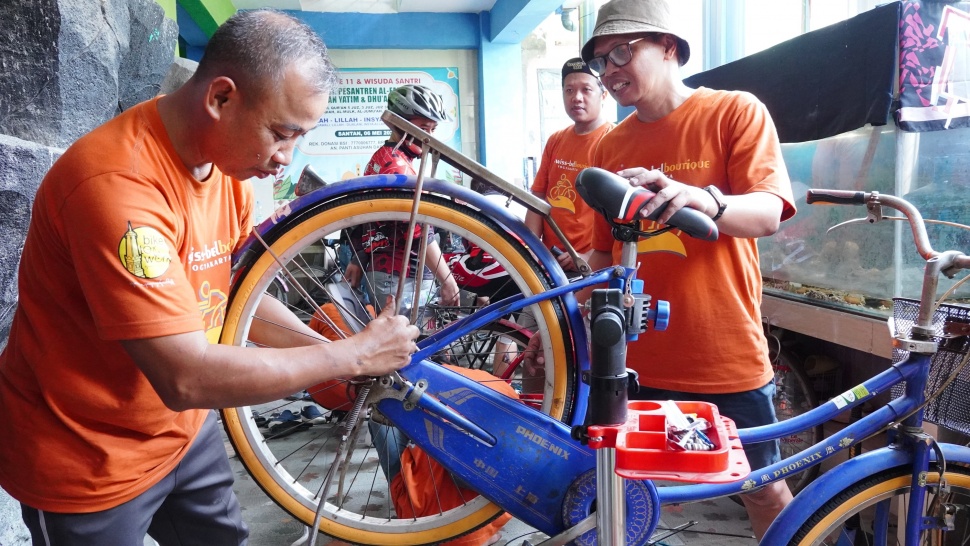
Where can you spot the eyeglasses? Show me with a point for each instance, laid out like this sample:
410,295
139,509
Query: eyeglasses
619,56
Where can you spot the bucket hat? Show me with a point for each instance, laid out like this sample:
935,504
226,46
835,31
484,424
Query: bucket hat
636,16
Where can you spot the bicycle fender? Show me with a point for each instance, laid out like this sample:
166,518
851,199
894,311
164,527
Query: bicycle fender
834,481
295,209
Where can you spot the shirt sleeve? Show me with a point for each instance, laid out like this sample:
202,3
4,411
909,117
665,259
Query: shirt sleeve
756,163
121,235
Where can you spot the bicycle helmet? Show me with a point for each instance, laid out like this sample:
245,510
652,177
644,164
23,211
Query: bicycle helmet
410,100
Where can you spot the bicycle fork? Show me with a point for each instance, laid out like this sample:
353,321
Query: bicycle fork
920,516
940,515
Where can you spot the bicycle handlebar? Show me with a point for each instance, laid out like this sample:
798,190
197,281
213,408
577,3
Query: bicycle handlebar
946,263
835,197
873,201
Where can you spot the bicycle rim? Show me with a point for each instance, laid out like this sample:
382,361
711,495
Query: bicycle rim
851,516
290,467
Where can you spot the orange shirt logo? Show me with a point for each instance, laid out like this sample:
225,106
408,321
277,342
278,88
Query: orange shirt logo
143,251
562,195
665,242
212,305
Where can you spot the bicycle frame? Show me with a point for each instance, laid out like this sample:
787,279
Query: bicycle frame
466,456
438,421
914,452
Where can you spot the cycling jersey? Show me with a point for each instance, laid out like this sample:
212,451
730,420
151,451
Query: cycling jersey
390,159
379,246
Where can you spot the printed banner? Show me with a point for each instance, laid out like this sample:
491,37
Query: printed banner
339,146
934,66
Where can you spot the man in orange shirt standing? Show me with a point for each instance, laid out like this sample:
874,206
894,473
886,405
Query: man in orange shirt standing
566,153
717,152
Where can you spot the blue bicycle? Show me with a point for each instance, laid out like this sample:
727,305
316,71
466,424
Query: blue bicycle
523,454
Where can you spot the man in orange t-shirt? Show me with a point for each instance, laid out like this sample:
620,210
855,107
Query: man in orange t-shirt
567,152
717,152
111,369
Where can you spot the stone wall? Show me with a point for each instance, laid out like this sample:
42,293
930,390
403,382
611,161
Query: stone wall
22,166
70,65
67,66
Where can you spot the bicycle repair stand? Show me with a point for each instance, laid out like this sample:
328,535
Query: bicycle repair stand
618,315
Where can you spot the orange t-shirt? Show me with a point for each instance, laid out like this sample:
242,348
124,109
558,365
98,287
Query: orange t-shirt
714,343
566,153
123,244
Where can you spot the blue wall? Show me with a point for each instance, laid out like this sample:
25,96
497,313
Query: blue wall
496,35
395,30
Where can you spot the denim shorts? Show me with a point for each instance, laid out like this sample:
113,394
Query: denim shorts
748,409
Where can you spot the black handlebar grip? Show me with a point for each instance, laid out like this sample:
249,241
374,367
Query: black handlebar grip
613,196
835,197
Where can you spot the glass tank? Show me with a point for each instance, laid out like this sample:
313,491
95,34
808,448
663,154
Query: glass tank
823,257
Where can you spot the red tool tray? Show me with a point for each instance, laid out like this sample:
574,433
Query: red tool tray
642,450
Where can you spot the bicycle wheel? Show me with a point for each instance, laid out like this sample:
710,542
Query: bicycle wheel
851,516
289,462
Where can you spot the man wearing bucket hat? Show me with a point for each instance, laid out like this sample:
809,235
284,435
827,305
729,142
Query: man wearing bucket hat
717,152
567,152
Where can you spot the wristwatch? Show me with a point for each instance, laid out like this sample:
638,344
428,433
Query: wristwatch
718,198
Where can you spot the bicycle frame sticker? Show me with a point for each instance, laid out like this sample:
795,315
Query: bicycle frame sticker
513,432
850,396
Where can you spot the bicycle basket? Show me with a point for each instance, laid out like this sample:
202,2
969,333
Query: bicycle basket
951,408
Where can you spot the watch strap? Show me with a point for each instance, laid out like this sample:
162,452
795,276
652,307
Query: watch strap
719,199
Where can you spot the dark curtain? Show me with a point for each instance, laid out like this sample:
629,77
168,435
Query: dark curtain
824,82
